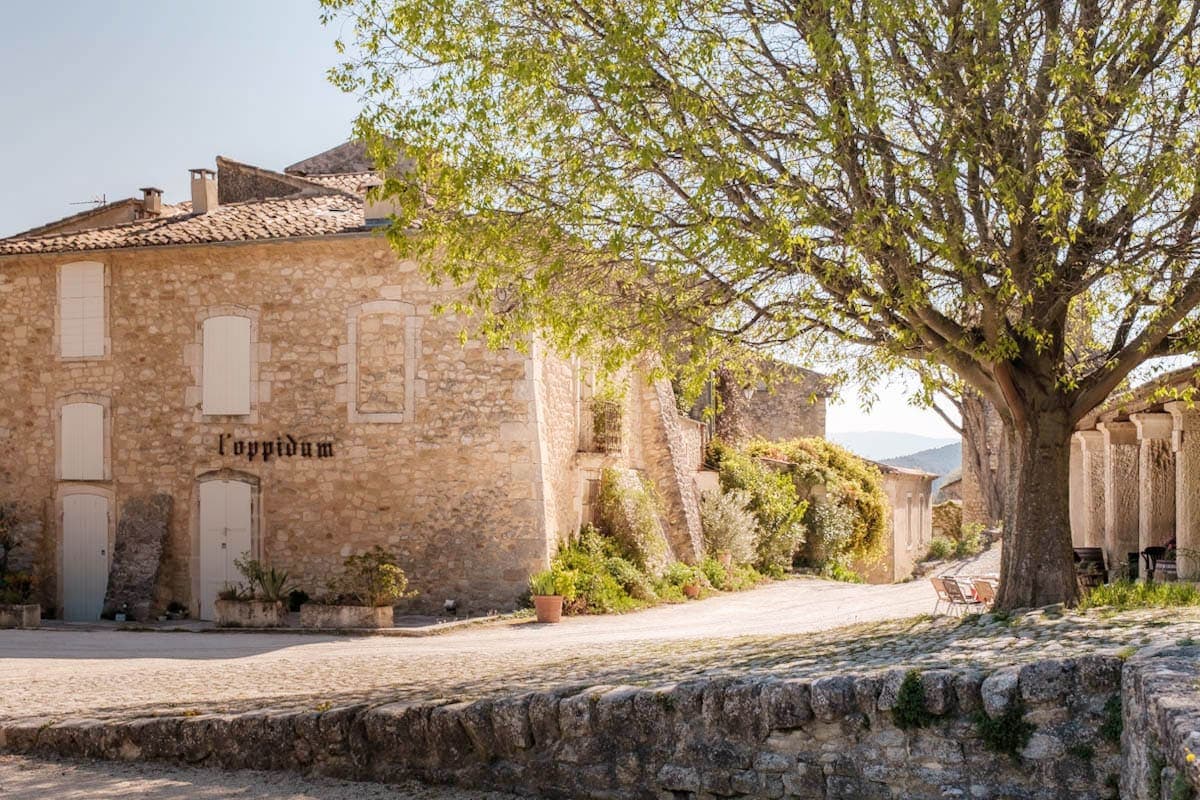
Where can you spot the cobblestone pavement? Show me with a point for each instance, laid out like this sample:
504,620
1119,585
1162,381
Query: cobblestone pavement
796,627
34,779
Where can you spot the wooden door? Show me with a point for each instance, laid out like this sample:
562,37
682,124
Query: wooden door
85,555
225,535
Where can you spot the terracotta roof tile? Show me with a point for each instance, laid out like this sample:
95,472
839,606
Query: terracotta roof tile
352,182
275,218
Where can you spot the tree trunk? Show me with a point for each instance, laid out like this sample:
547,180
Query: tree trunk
732,408
1037,567
981,450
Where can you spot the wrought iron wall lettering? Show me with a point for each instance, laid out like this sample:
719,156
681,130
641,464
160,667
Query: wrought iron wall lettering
286,446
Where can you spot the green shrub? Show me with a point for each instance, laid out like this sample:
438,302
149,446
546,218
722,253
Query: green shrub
373,578
910,711
831,530
264,583
1007,733
628,511
632,580
602,580
681,574
849,481
729,524
1125,595
553,582
774,501
940,548
836,570
970,540
715,573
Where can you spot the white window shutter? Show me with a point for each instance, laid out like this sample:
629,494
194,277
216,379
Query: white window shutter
226,366
82,438
81,309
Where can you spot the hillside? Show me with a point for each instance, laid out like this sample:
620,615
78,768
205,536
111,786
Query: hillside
882,445
939,460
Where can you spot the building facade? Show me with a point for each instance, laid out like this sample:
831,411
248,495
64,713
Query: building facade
261,357
1135,474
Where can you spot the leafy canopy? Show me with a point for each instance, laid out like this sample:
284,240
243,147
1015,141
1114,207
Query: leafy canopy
1007,188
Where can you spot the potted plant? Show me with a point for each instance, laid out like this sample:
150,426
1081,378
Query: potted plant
364,596
259,604
16,588
549,588
687,577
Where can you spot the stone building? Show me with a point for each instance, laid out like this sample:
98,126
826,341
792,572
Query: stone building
1135,473
910,523
255,371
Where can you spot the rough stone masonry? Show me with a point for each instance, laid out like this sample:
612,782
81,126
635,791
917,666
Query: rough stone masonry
832,738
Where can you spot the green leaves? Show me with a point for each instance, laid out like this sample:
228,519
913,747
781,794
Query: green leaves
955,185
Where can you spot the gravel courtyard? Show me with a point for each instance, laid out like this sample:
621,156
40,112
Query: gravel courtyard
35,779
795,627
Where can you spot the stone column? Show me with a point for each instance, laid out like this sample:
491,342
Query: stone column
1120,491
1186,444
1093,477
1075,492
1156,479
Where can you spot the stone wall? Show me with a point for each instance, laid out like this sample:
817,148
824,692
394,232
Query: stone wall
453,491
833,738
790,406
665,457
948,519
1161,725
459,458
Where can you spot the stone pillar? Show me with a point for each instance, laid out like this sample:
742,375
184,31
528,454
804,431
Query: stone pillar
1156,479
1120,491
1075,492
1093,477
1186,444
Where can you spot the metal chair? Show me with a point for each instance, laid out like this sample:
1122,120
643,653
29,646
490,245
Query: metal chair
942,596
1150,557
960,599
985,590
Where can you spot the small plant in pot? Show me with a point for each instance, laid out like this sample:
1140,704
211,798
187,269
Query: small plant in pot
364,596
258,604
687,577
549,588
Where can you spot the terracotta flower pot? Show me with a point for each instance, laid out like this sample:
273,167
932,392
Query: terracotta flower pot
548,607
725,557
691,590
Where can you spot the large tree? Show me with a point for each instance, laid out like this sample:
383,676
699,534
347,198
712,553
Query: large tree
949,182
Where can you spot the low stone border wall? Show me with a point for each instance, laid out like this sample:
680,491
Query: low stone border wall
830,738
1161,716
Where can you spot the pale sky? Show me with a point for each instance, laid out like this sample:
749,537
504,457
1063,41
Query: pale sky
102,98
890,412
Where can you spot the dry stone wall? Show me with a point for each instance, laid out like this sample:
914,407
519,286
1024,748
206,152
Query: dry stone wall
832,738
1161,730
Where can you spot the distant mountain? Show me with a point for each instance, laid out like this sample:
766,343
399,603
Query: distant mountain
941,461
882,445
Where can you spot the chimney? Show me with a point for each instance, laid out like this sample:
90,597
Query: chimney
151,201
376,210
204,191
